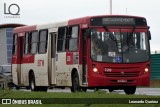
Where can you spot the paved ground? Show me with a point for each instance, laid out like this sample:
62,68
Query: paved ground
139,91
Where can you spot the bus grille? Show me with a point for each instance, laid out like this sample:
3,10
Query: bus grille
121,74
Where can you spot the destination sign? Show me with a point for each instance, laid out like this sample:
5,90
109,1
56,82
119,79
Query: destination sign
118,21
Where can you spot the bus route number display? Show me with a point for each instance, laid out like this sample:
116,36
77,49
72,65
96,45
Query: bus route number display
118,21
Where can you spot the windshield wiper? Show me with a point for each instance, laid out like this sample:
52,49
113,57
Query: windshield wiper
130,35
111,35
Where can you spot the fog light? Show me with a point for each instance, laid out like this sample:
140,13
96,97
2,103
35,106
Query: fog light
146,70
95,70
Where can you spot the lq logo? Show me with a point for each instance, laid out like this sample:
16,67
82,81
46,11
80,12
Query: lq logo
11,10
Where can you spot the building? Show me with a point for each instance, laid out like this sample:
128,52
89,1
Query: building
6,42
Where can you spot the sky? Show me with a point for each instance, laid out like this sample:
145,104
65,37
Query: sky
45,11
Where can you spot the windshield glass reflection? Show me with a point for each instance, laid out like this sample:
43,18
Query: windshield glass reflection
119,47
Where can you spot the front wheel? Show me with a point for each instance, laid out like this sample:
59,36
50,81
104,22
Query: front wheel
75,83
110,90
130,89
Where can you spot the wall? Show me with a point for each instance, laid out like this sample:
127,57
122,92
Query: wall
3,47
155,66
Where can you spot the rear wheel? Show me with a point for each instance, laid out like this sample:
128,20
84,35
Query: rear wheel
17,87
33,86
83,89
130,90
75,83
32,82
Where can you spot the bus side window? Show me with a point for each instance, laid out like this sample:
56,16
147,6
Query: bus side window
43,41
62,34
14,52
26,43
73,38
33,42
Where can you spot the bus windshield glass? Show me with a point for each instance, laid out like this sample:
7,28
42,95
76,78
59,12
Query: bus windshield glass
119,47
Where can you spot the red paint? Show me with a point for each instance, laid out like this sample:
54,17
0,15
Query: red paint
28,59
40,63
18,59
69,58
24,29
86,20
79,21
100,79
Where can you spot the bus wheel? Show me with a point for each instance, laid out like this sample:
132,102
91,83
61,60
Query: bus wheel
32,82
96,89
17,87
111,90
75,83
83,89
130,90
28,87
42,88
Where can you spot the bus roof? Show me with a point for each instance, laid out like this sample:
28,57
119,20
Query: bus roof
8,25
87,18
75,21
24,29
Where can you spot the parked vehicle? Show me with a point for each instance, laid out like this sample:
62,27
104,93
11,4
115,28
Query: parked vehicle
5,75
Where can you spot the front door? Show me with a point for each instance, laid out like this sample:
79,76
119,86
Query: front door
84,59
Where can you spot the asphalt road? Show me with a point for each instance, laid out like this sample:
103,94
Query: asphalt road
139,91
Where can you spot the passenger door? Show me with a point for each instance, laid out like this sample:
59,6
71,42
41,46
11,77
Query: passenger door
20,59
52,74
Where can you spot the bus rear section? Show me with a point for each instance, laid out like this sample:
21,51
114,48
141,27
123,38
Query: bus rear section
30,58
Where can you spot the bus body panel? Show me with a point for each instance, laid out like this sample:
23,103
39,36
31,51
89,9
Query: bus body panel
17,60
56,69
120,75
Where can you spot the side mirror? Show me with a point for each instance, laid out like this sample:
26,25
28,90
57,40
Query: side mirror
87,33
149,35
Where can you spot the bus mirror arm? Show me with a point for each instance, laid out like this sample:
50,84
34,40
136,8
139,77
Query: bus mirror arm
111,35
149,35
87,33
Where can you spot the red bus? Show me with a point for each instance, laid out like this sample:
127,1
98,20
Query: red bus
94,52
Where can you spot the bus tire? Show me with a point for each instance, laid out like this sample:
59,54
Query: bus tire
42,88
83,89
130,89
75,83
110,90
32,84
28,87
17,88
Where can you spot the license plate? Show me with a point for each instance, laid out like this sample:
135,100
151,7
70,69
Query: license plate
122,81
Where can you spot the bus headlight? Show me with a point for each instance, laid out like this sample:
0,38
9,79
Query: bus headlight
95,70
146,70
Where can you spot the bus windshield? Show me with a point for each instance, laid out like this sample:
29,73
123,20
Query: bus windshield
119,47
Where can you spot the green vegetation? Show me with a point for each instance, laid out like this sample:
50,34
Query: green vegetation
98,94
91,95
